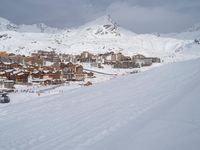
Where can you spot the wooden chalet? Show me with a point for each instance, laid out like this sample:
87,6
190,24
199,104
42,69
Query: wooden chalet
78,74
21,78
53,75
16,65
37,74
68,74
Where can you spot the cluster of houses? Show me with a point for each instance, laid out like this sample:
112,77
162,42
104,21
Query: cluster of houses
15,70
48,67
117,60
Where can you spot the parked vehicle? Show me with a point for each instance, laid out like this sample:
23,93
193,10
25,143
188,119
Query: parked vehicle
4,98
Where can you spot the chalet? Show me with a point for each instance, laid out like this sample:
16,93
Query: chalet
9,74
53,75
109,58
78,69
76,58
96,64
67,58
42,81
15,65
155,60
9,84
72,72
34,61
43,53
79,77
87,57
3,75
57,81
56,66
5,65
36,74
78,74
141,60
144,62
138,56
8,65
56,59
68,74
100,58
121,57
47,68
47,82
69,65
15,72
21,78
35,55
2,66
29,68
17,58
50,56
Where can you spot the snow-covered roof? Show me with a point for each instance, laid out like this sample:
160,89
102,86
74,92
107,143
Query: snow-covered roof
20,74
9,70
17,71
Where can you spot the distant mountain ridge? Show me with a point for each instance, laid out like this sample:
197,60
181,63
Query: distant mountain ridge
6,25
98,36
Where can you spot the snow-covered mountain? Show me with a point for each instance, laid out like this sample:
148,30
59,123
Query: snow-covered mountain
6,25
98,36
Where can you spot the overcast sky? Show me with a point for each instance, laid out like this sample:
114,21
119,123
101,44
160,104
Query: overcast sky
140,16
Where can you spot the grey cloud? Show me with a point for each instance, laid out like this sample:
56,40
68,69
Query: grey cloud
149,19
137,15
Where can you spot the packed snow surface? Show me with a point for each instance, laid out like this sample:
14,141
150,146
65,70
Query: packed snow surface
153,110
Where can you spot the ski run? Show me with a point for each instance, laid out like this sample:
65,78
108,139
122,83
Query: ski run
156,109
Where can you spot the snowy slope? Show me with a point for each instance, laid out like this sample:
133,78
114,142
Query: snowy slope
157,109
99,36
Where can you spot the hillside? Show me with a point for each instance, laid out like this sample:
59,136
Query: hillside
157,109
98,36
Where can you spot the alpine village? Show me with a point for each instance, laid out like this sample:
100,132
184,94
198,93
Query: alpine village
47,68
